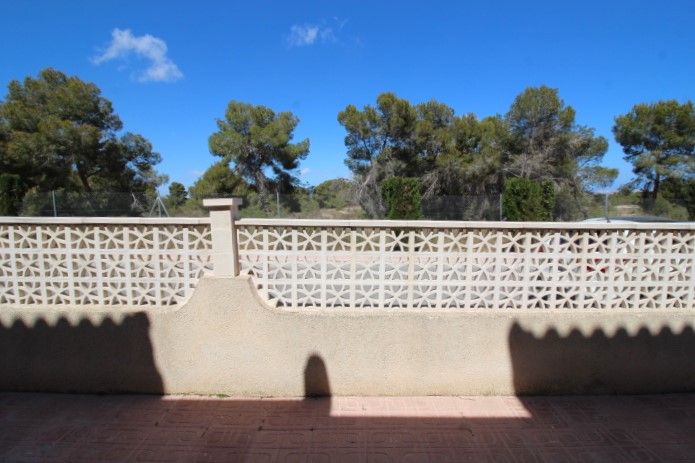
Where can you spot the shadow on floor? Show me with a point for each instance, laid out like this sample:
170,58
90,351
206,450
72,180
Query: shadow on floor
87,428
81,428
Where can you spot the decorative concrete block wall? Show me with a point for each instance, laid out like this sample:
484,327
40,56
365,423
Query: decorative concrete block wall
469,266
350,264
116,262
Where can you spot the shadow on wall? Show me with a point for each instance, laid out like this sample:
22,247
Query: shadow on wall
316,383
117,356
86,357
602,364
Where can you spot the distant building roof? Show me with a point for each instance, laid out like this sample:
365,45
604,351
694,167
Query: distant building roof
633,219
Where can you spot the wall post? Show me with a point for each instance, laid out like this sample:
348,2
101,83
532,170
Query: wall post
225,252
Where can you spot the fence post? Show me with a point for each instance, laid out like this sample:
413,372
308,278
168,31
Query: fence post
55,207
225,253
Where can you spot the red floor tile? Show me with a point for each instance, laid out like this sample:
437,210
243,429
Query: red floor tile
85,428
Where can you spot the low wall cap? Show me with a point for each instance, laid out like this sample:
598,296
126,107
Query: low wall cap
222,202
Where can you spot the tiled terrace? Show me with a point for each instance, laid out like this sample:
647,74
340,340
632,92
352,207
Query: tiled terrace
137,428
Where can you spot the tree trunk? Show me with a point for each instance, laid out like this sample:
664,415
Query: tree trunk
655,190
87,188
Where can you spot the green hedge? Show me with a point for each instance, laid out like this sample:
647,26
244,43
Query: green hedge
402,197
525,200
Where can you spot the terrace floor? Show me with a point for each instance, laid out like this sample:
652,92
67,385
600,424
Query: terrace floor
139,428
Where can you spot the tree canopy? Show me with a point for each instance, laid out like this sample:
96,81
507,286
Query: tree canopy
546,144
659,140
58,133
333,193
257,141
218,180
537,139
177,196
393,139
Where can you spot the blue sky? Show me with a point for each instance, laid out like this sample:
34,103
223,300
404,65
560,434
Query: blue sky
171,67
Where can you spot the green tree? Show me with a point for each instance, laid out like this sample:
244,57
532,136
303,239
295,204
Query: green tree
537,139
545,144
394,139
379,144
219,180
659,140
257,141
333,193
177,196
433,136
61,134
680,192
539,123
471,164
528,200
383,133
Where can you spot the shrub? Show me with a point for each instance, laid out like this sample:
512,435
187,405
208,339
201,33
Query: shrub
527,200
402,197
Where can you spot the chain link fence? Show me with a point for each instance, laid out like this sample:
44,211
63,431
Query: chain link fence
477,208
303,205
306,205
71,204
634,205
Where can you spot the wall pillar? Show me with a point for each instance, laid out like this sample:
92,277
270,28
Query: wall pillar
225,252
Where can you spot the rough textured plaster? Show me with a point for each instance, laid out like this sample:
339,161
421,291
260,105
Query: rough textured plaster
226,341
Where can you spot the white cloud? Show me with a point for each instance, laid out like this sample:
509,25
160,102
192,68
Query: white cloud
304,172
123,43
341,22
301,36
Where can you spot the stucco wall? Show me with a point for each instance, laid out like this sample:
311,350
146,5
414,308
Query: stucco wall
226,341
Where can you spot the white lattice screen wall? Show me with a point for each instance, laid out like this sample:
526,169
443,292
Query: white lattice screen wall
102,262
469,266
